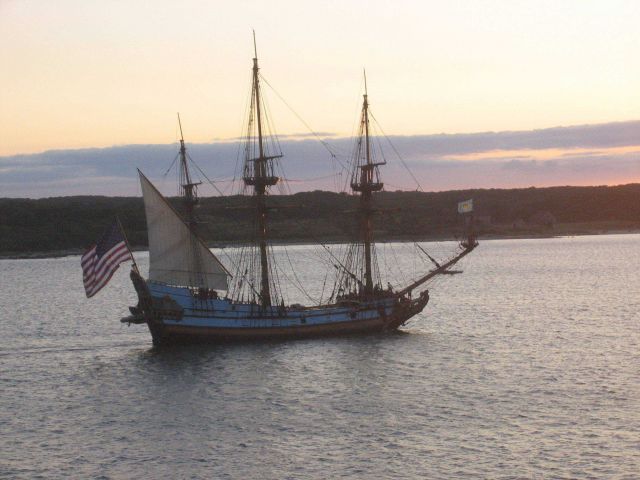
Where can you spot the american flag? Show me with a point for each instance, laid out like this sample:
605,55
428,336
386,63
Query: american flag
101,260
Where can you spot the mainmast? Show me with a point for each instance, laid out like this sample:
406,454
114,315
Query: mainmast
365,180
260,177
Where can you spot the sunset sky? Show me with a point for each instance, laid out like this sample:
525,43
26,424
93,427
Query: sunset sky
82,74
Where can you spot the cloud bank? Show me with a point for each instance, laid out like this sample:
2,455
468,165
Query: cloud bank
578,155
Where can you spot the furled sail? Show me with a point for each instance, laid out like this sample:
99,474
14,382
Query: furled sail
176,255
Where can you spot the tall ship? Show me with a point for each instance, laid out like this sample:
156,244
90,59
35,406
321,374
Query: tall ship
190,295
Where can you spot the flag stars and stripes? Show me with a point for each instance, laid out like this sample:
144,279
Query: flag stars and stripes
100,262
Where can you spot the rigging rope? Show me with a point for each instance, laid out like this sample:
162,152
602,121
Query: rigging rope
397,153
322,142
295,275
205,176
171,166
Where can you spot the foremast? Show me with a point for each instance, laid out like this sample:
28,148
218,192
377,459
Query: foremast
365,180
258,173
360,265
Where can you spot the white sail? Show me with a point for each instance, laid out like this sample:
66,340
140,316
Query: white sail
176,255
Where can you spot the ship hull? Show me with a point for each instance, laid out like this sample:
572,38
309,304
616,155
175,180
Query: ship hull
178,334
181,315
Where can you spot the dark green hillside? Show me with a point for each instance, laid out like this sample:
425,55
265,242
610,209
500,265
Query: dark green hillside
72,223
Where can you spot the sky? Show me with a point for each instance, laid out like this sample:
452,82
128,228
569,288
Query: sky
603,154
89,76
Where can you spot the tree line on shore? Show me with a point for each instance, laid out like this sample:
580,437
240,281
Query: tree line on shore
74,223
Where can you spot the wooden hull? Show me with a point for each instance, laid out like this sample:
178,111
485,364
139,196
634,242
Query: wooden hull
166,334
177,334
175,315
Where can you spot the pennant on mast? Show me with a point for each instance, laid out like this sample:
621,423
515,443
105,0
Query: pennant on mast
466,206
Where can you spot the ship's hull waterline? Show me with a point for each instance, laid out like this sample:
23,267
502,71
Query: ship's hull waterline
178,315
178,334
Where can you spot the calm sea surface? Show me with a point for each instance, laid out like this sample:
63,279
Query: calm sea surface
525,366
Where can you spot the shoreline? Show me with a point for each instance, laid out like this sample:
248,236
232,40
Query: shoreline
433,238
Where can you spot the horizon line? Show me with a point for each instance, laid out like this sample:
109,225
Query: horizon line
423,192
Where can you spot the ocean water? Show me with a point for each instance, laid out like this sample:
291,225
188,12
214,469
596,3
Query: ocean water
525,366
